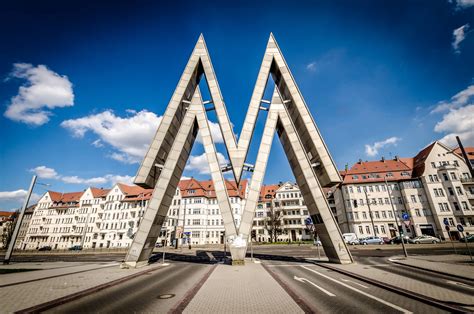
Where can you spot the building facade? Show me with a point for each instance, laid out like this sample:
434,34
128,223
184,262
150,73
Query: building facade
418,195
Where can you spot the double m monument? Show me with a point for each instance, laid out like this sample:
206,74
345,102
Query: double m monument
287,114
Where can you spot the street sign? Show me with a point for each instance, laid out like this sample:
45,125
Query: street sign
308,221
460,228
406,222
447,228
405,216
446,222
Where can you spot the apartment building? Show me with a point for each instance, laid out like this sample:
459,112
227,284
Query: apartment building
6,224
20,240
413,195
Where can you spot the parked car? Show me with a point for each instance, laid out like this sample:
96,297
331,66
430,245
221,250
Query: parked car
398,239
387,240
468,238
45,248
371,240
350,238
159,244
75,248
317,242
424,239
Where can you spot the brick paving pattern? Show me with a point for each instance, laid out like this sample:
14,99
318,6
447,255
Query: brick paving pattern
242,289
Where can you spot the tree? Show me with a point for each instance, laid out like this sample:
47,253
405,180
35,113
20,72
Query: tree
274,222
8,228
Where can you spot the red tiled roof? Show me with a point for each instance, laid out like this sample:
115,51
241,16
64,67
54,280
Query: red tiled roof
55,196
268,190
469,152
6,214
206,188
375,171
99,192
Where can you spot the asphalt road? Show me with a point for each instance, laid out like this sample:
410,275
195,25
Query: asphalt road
157,291
326,291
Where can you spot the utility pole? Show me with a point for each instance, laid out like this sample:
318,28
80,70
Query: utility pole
370,211
11,245
396,218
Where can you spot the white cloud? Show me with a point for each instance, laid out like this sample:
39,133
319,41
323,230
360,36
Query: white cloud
201,165
45,172
49,173
373,150
311,66
458,122
458,100
459,34
464,4
129,136
18,196
216,133
43,91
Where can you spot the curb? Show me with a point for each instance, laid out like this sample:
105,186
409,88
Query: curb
397,290
431,270
72,297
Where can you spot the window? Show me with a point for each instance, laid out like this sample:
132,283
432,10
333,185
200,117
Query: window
431,178
196,211
400,201
446,207
435,177
356,215
445,177
382,228
456,206
358,189
417,212
459,190
433,165
351,190
361,230
376,229
364,215
196,222
464,206
456,163
377,215
367,229
387,201
453,176
450,191
451,221
384,214
413,198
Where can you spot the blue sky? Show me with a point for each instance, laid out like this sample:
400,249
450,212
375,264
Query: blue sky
84,85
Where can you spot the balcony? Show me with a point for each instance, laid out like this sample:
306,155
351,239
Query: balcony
447,167
467,180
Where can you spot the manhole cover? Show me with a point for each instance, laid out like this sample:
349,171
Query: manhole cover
166,296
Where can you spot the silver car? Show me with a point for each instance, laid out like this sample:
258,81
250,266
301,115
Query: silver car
424,239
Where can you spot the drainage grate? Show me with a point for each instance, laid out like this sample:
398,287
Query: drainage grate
165,296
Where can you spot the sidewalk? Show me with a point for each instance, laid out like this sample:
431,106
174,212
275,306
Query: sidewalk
455,265
242,289
32,293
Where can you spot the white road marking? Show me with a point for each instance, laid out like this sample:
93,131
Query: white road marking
359,291
356,283
284,265
460,284
312,283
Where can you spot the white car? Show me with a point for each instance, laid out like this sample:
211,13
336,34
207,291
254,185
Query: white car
424,239
350,238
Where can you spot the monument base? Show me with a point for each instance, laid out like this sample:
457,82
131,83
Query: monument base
238,250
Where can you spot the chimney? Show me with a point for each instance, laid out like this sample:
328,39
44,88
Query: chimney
383,159
360,161
396,158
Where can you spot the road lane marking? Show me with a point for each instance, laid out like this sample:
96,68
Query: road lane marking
284,265
303,280
356,283
360,291
460,284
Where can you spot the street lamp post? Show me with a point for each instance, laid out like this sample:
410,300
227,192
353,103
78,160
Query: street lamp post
396,218
11,245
